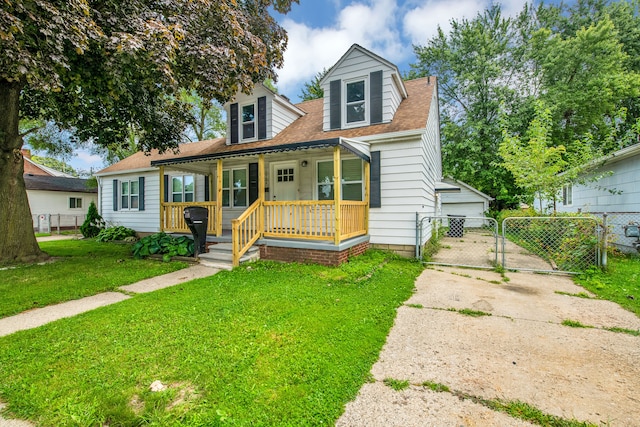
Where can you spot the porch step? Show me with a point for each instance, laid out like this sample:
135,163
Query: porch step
221,256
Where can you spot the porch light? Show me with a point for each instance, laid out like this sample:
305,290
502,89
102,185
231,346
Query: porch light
304,163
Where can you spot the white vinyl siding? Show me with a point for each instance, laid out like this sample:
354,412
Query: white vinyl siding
58,202
359,65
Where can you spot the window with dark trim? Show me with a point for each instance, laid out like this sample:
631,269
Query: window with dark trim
248,121
75,202
129,194
355,102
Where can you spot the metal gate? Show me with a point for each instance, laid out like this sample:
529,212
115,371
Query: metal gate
542,244
464,241
550,244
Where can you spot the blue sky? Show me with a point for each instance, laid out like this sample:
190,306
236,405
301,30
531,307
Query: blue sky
320,31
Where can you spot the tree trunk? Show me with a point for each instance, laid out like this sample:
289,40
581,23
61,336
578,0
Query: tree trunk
16,226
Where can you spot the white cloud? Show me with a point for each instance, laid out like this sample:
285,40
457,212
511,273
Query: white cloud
84,160
421,23
372,24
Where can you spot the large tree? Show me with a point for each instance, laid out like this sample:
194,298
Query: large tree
104,67
480,65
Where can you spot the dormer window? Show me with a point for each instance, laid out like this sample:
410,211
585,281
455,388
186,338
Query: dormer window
248,121
356,103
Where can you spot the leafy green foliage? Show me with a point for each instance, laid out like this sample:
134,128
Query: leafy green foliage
93,224
118,232
163,244
55,164
263,344
313,90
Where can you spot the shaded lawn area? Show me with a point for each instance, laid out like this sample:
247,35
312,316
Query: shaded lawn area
265,344
620,283
82,268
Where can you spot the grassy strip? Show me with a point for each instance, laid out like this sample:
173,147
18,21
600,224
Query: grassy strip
515,409
265,344
620,284
82,268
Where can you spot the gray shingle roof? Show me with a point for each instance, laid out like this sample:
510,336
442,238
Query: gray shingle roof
57,183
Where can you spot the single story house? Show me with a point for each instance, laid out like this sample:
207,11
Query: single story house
272,180
616,193
469,202
56,199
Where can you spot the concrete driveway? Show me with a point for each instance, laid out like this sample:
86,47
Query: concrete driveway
522,352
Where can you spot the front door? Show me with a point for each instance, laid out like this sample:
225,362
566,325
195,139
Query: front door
284,187
284,181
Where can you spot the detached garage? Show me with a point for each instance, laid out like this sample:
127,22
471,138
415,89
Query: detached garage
468,201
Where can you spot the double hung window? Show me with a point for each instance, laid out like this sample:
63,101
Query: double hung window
234,188
182,188
129,195
352,185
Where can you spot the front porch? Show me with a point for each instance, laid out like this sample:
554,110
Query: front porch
297,223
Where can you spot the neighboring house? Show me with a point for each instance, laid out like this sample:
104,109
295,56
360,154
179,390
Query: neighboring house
468,202
617,193
56,199
271,180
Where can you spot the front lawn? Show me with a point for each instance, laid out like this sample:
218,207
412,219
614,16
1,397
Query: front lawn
81,268
620,284
266,344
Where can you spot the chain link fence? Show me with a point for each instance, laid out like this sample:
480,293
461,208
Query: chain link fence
551,244
616,224
544,244
460,240
57,223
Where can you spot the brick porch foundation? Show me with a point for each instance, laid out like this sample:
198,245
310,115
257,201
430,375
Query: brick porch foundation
307,255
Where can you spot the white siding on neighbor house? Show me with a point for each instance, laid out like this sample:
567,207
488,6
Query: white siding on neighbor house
57,202
595,197
360,65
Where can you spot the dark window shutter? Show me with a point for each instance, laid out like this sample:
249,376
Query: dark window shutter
253,182
262,117
206,188
166,188
141,193
233,110
115,195
335,104
375,90
375,199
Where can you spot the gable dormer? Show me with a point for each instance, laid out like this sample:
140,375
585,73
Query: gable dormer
361,89
259,116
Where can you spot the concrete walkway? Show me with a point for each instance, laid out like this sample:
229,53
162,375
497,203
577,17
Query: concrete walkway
40,316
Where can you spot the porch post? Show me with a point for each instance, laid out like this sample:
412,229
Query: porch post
367,176
337,186
261,182
162,201
219,198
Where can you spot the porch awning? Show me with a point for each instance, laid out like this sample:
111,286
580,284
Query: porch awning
360,149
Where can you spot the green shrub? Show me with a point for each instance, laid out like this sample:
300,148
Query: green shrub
163,244
115,233
93,224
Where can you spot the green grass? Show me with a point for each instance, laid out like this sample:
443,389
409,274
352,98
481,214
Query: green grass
575,324
473,313
81,268
397,385
437,387
620,284
268,344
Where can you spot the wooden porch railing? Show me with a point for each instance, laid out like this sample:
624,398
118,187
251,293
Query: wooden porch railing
306,219
172,216
353,218
245,230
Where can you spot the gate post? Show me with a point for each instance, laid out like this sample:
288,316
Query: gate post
605,242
